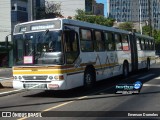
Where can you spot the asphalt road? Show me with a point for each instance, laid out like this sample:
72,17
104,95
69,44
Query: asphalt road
97,102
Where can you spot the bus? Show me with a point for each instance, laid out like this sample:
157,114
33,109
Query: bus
61,54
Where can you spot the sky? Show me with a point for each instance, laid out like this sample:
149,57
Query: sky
105,6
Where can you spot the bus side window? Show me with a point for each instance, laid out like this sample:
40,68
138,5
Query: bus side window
71,46
142,44
109,41
118,41
100,46
146,45
125,42
138,44
152,45
86,40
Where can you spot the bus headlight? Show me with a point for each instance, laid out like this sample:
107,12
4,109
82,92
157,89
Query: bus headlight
20,77
59,77
15,77
51,77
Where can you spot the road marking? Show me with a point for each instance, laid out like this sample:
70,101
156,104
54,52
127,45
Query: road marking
12,92
157,78
58,106
144,77
4,78
82,97
151,85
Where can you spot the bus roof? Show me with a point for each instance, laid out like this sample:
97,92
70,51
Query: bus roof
69,22
93,26
80,24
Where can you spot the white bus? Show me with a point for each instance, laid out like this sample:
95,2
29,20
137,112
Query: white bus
61,54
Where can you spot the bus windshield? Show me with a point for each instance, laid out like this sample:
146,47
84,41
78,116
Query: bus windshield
38,48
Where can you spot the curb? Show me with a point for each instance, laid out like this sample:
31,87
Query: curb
11,92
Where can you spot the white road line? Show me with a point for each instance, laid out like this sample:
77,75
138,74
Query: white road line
4,78
11,92
157,78
144,77
151,85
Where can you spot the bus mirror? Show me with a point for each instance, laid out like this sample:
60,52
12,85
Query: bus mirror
46,32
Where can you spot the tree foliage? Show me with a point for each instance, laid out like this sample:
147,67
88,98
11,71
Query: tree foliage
50,10
155,33
126,26
89,17
146,30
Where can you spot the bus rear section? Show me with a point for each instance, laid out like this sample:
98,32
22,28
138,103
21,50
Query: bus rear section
145,51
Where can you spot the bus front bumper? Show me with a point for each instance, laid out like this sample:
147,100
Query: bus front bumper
52,85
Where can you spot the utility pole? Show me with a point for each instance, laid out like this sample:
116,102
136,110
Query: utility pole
140,15
149,17
31,4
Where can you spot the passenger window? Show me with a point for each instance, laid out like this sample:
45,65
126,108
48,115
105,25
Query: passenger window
118,42
100,46
138,44
109,41
142,44
149,44
125,42
146,45
86,40
153,45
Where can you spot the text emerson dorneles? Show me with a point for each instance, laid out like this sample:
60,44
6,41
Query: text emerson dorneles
142,115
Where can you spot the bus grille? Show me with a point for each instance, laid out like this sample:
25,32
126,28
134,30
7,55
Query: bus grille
35,77
35,86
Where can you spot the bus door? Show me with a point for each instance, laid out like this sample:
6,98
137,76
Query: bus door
134,52
71,46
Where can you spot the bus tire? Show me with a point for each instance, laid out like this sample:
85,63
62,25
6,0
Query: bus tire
125,70
89,78
148,65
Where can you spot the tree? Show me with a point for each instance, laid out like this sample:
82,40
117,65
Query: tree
89,17
156,35
50,10
126,26
146,30
53,9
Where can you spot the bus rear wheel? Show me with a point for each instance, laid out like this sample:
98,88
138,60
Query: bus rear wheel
89,78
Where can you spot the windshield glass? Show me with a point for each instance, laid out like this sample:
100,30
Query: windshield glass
38,48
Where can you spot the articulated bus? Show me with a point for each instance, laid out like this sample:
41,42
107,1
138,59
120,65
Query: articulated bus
61,54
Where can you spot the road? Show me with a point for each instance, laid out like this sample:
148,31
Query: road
93,102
